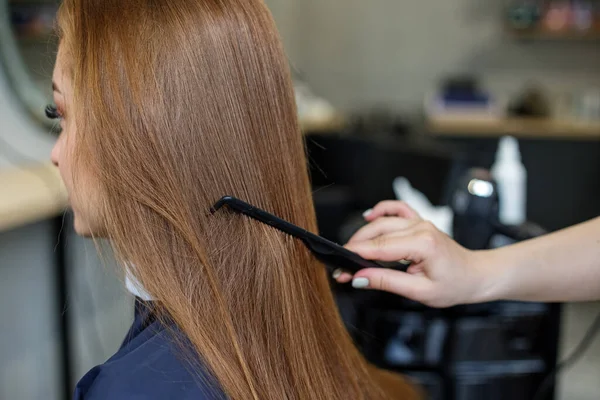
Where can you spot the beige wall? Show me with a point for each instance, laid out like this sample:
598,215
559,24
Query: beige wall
360,53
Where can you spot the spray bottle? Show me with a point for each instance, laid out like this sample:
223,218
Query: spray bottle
511,177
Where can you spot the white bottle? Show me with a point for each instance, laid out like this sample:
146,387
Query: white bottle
511,177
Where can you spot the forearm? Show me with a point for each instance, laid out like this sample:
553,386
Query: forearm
558,267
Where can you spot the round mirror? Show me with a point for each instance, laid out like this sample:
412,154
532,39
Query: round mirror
28,46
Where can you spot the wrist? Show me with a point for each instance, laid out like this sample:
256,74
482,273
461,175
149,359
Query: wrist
491,269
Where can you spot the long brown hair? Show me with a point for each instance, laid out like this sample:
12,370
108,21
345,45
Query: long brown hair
177,103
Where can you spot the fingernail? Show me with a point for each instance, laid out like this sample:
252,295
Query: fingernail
360,283
367,213
337,273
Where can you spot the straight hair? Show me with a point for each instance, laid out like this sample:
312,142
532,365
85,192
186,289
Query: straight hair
180,102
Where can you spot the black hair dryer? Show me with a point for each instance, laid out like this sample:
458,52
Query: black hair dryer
475,203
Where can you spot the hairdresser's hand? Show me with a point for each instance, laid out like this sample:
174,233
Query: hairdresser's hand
443,273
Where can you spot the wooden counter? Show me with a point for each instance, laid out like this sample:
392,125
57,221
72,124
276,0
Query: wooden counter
29,194
524,128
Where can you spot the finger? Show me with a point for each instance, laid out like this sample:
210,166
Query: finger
416,247
414,287
382,226
415,269
391,207
342,276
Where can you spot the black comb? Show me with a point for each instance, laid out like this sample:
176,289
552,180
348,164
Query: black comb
331,254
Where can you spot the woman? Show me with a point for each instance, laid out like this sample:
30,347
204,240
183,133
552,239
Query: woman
165,107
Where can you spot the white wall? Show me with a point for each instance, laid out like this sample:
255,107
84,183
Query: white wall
580,382
29,334
359,53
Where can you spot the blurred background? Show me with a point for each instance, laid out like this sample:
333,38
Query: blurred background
483,115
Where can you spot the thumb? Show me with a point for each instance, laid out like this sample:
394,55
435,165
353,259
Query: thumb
414,287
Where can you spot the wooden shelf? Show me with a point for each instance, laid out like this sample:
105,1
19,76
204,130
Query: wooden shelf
526,128
333,124
30,194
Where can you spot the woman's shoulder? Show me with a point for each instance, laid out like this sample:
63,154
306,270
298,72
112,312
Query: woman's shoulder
155,364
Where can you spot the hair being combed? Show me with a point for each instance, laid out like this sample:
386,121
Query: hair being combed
177,103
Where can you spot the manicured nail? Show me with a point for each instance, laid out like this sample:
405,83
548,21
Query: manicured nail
360,283
367,213
337,273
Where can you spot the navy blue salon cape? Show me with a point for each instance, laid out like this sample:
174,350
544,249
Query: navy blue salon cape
148,366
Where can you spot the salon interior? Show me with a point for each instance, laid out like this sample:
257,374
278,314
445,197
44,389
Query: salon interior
429,102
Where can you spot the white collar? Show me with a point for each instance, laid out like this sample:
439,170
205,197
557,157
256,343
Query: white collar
135,287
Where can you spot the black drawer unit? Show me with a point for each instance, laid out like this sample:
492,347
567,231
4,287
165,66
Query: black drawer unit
514,380
513,333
